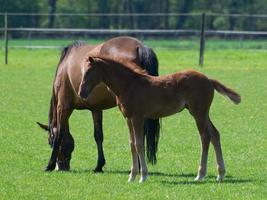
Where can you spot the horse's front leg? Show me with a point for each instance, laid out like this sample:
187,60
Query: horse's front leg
134,167
98,135
138,124
65,151
62,118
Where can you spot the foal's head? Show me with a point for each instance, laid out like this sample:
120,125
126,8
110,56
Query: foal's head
90,77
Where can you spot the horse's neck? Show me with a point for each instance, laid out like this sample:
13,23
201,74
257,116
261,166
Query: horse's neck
118,77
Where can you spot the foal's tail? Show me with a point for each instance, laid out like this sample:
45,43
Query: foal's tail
148,60
231,94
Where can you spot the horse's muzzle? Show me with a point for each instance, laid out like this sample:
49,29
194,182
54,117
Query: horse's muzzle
82,93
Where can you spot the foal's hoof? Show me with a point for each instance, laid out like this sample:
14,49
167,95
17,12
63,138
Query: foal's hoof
131,178
199,178
143,179
219,178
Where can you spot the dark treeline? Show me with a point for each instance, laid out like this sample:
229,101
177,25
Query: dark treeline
136,6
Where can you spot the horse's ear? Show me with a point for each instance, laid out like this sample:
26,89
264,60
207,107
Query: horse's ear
91,59
43,126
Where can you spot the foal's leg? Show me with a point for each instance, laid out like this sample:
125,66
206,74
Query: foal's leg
98,135
205,141
134,167
215,139
138,124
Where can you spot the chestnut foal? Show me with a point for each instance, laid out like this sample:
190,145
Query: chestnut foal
141,96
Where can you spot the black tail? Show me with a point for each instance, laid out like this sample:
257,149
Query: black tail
148,60
52,111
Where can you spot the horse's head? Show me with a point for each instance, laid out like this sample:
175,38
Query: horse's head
51,132
66,147
90,77
64,156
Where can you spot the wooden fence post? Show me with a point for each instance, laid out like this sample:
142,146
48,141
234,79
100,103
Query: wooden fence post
6,40
202,41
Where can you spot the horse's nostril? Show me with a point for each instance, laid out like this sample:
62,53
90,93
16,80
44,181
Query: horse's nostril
83,94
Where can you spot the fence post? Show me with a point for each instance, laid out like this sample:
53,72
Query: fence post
6,40
202,41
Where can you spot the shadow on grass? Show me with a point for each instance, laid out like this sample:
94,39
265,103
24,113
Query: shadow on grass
83,171
183,175
210,179
229,179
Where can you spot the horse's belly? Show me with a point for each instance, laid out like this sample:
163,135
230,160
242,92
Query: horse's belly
165,110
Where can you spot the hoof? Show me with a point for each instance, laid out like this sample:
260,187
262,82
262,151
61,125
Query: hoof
98,171
131,178
219,178
62,166
48,169
143,179
99,166
199,178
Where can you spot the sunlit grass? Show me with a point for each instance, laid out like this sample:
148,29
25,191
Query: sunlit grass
24,99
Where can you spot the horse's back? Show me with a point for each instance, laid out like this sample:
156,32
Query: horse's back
121,48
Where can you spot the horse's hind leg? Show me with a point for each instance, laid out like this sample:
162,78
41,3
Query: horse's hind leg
215,139
200,113
98,135
205,141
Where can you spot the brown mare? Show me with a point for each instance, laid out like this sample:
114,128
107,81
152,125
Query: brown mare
142,96
65,97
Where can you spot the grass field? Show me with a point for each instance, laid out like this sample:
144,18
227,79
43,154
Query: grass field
25,85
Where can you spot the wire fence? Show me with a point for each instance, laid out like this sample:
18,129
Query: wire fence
135,14
141,25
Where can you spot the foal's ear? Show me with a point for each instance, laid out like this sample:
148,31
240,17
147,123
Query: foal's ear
43,126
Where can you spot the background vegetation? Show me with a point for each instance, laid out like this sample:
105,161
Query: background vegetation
138,6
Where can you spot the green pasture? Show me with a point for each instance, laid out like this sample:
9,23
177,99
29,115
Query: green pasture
25,86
